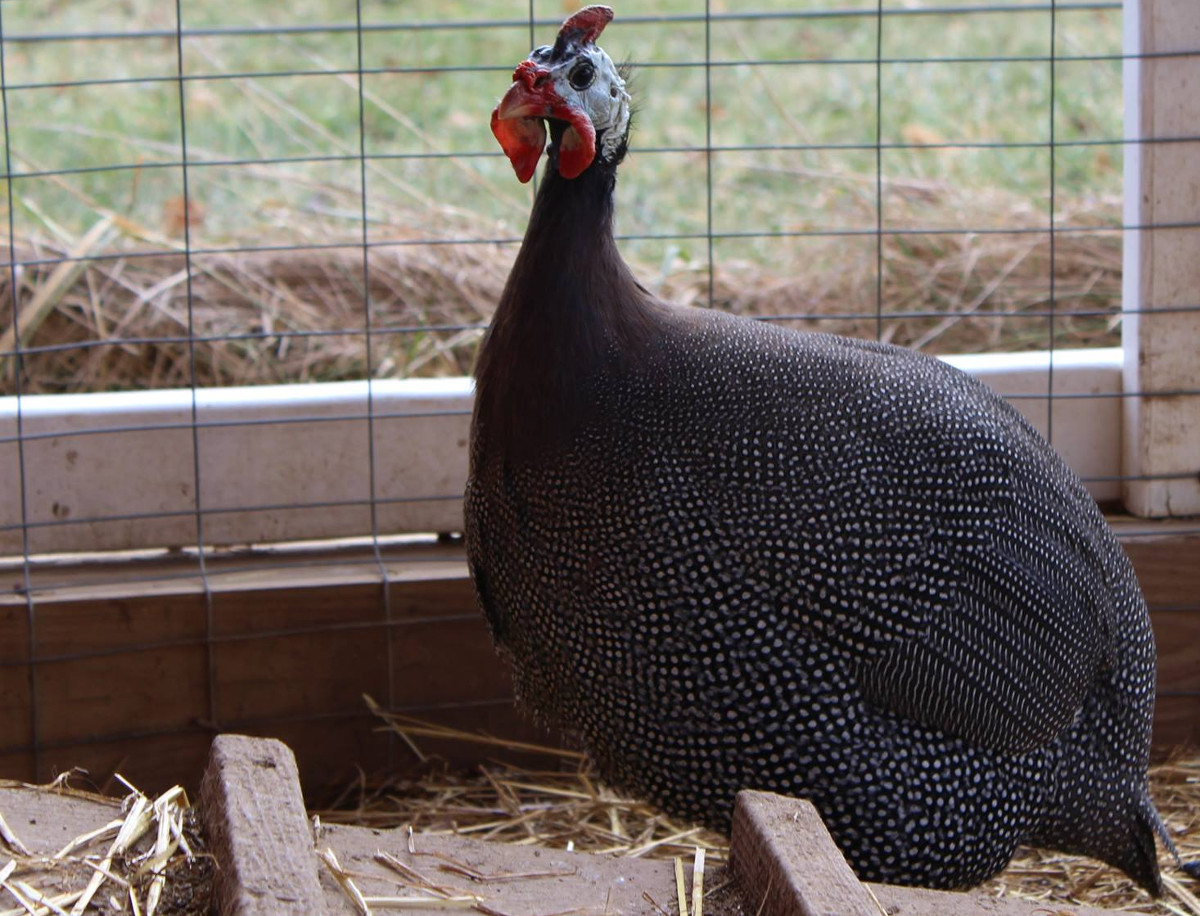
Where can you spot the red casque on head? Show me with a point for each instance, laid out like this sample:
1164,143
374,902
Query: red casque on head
517,120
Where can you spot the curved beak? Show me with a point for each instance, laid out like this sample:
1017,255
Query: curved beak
517,123
517,120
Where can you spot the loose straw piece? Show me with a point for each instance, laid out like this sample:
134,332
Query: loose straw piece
344,881
680,890
406,726
654,903
698,883
422,903
61,900
26,906
12,839
135,825
415,879
112,828
49,904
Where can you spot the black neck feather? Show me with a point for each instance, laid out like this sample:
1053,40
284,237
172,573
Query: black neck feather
570,312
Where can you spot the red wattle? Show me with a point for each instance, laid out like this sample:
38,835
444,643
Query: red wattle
517,125
522,140
577,148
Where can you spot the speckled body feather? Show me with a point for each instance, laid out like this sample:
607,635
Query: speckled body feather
730,555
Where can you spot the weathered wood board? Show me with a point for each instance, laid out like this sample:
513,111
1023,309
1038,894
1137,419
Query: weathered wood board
788,865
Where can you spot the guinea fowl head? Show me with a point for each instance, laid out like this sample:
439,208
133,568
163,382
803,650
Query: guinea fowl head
577,87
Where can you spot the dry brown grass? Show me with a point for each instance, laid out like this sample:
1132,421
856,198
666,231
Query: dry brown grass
123,321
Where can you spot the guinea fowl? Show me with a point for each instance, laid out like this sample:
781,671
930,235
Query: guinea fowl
729,555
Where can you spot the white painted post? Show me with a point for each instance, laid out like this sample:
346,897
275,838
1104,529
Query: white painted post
1162,259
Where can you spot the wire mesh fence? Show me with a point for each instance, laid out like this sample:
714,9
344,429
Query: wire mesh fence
880,169
203,195
210,195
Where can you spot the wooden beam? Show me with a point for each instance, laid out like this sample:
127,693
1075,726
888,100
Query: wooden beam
789,865
258,831
267,863
781,851
1161,330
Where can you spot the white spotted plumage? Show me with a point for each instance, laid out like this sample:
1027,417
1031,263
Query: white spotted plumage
729,555
835,570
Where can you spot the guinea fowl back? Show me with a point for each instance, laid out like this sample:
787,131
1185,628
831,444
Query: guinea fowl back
733,556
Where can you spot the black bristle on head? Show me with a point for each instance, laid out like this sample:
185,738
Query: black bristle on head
629,75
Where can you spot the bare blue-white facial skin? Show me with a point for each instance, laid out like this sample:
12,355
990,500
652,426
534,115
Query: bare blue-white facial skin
588,80
574,82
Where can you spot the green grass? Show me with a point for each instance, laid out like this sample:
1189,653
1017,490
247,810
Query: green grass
815,85
808,103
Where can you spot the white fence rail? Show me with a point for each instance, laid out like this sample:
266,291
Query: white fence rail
294,462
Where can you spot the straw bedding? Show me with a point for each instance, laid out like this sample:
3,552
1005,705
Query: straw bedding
150,858
562,804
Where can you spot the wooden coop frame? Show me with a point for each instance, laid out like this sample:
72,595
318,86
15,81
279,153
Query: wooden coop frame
135,657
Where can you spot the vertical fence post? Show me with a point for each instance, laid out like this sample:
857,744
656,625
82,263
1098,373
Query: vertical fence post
1161,330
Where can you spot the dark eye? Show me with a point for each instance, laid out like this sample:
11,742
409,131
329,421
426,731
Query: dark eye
581,77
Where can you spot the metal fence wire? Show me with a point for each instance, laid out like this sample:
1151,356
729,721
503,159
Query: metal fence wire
206,200
787,134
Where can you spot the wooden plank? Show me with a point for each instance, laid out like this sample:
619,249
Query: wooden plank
451,595
16,714
14,633
302,674
554,880
123,627
299,635
327,564
1176,723
258,830
45,821
781,851
256,612
919,901
18,765
1161,330
100,695
333,752
152,762
16,698
448,660
287,652
789,865
102,667
1177,634
1168,568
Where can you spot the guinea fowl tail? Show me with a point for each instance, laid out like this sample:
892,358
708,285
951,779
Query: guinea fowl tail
1192,868
1139,859
1106,813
